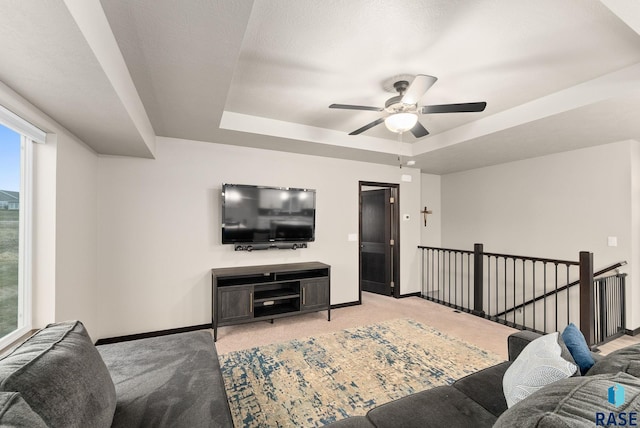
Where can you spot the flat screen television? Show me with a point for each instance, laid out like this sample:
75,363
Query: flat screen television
259,214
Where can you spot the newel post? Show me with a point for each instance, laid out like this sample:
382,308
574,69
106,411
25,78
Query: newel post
478,280
586,297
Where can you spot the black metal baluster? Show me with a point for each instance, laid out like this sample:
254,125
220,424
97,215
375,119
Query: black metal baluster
441,274
514,290
504,292
468,282
438,273
621,322
489,287
427,284
455,278
568,300
611,309
533,267
598,301
422,272
425,272
449,278
524,295
434,274
604,309
544,309
598,310
556,295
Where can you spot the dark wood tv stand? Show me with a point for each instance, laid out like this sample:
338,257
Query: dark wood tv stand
254,293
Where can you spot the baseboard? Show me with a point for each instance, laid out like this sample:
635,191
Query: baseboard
416,294
345,305
632,332
127,338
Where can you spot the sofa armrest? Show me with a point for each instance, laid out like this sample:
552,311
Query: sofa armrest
517,342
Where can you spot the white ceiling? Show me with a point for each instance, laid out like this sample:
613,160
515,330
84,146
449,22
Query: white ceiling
556,76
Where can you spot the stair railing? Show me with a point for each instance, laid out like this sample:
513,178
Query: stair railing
530,293
563,288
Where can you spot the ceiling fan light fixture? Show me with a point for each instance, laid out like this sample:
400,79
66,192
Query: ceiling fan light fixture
401,122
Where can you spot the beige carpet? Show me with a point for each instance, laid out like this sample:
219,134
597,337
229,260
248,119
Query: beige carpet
374,309
318,380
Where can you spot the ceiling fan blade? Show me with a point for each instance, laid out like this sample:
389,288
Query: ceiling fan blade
454,108
351,107
419,131
367,126
420,85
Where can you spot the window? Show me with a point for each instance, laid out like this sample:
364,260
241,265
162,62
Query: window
16,140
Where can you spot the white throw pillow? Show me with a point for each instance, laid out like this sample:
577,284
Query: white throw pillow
540,363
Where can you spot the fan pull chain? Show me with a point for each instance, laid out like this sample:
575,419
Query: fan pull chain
400,150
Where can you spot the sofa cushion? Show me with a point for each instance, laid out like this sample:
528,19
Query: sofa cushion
485,388
173,380
541,362
60,374
15,412
623,360
444,406
573,402
577,345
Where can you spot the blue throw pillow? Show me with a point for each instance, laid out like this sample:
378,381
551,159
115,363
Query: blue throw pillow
578,347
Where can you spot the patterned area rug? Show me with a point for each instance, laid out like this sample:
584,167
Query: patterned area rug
319,380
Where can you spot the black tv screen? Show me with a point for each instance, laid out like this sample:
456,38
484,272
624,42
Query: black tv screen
258,214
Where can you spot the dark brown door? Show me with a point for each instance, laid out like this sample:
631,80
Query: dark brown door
375,246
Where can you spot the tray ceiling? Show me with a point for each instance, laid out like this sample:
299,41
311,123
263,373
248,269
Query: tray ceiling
556,76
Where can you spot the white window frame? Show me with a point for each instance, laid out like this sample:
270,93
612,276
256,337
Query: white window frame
29,135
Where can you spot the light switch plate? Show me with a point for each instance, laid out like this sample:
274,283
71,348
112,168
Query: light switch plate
612,241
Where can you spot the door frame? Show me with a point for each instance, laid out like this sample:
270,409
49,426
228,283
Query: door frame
395,234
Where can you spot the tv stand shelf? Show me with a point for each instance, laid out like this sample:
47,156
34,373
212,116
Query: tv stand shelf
286,293
254,293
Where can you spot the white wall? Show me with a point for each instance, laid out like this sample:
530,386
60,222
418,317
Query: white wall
431,198
64,220
76,237
159,228
43,273
552,206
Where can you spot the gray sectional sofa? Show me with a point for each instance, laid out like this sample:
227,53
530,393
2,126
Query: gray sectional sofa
58,378
477,400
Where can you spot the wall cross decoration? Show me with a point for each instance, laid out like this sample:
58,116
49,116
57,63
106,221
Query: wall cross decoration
424,212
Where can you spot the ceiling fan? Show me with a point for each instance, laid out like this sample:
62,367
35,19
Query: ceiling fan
403,110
